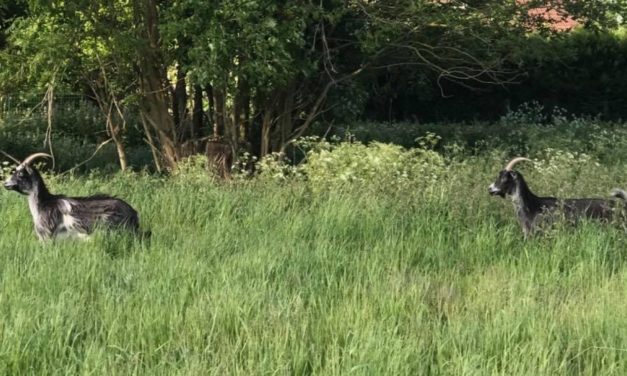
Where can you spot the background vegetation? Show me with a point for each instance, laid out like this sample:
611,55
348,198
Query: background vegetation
255,75
355,235
367,259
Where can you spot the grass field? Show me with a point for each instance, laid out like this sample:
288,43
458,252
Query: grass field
264,278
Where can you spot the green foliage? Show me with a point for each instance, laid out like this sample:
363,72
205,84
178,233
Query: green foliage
597,14
275,167
64,44
250,278
40,54
349,101
528,130
374,165
78,130
193,169
259,42
296,60
338,165
583,69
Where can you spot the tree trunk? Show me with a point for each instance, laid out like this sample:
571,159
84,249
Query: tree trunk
114,132
241,101
285,120
197,114
219,113
266,129
179,105
247,119
211,113
119,146
109,107
226,125
151,143
231,133
152,78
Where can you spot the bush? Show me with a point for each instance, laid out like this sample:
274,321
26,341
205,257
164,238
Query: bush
527,130
375,165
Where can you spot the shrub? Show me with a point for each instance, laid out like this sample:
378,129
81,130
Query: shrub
276,167
193,169
376,165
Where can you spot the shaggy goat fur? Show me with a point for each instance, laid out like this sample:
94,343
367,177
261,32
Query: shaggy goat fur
532,211
59,216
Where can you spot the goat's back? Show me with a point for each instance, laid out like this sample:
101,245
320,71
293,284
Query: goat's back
104,210
595,208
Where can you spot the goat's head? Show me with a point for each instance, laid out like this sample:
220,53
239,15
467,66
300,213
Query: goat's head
507,180
25,178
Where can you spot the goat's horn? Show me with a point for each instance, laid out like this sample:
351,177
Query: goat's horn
511,163
32,157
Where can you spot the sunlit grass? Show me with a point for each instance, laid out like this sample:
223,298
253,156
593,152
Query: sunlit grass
262,278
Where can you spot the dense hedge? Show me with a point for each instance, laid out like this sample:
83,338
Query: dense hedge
584,72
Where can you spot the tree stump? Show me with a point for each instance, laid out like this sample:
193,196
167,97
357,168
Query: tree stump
220,157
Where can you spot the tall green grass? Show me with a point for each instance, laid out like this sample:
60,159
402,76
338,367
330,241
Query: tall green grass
265,278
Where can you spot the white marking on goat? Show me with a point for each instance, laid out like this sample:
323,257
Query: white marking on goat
68,222
34,210
517,199
67,206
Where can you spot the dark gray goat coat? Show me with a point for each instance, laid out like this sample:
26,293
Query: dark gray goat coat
533,211
58,215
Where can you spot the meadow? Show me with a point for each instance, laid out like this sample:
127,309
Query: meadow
392,262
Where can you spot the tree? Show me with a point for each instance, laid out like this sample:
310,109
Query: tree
260,72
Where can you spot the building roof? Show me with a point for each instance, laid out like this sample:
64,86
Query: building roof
555,18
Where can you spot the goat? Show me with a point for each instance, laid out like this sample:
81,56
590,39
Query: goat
533,210
60,216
